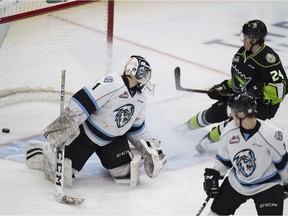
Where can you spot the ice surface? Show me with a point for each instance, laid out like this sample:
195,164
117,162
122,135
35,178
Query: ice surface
200,37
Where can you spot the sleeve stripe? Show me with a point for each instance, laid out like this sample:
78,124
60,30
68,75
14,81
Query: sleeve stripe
282,163
270,178
136,129
98,132
91,98
80,105
86,100
227,163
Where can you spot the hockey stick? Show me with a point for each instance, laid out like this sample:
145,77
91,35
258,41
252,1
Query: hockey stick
177,75
203,205
60,156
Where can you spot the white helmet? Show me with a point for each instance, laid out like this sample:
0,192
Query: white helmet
138,67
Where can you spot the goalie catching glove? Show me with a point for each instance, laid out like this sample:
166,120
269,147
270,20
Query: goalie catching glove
63,130
154,159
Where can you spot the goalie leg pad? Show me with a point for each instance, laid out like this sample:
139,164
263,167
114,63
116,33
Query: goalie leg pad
35,154
49,167
40,157
134,178
120,171
135,165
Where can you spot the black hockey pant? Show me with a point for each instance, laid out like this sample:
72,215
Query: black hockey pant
112,155
268,202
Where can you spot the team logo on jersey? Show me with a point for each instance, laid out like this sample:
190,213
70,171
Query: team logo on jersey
124,115
124,95
108,79
245,162
270,58
240,80
278,135
236,59
234,139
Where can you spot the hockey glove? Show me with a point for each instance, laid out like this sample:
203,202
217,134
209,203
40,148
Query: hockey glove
211,185
154,159
220,91
63,130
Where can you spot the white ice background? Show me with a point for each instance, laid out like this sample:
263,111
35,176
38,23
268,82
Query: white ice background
199,36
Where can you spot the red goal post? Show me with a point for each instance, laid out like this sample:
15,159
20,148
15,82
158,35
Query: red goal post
38,40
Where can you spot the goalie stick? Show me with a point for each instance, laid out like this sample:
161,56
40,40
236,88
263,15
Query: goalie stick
60,156
177,75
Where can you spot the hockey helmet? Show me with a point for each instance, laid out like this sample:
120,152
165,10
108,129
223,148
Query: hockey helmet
243,102
255,30
139,68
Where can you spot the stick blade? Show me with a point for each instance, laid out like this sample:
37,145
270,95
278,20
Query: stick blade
64,199
177,75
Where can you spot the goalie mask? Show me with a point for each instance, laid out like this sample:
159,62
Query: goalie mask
139,68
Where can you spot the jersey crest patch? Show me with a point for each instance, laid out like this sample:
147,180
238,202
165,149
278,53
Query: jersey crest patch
245,162
124,115
270,58
108,79
234,140
278,135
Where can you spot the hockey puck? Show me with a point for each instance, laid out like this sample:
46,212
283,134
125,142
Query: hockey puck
5,130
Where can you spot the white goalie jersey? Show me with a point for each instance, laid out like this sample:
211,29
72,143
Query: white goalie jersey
124,112
258,162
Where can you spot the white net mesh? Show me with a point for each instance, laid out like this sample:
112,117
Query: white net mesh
35,50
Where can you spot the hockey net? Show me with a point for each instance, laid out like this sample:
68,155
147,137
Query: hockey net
38,40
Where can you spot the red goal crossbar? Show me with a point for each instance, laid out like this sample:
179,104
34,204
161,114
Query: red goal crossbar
45,10
62,6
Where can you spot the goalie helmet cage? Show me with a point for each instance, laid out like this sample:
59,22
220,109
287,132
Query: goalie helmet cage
39,39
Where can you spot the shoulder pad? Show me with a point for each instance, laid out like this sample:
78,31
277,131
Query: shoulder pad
267,57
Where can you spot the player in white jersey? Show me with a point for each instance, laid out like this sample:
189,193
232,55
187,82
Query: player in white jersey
253,155
105,118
